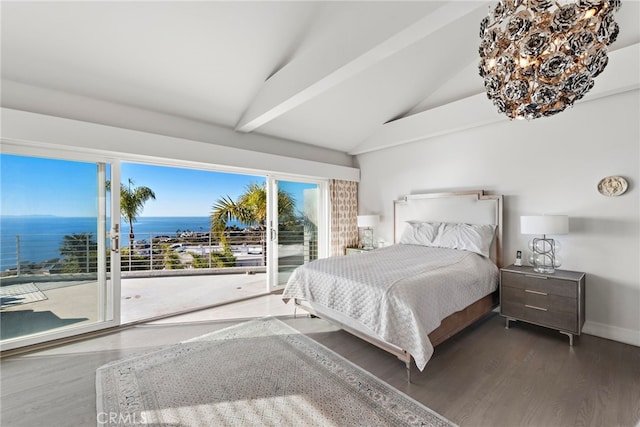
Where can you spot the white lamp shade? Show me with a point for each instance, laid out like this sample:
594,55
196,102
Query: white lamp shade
368,221
544,224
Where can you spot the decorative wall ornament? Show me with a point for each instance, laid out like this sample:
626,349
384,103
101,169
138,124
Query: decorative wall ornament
540,56
612,186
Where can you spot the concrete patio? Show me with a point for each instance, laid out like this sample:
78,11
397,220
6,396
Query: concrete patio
151,297
71,304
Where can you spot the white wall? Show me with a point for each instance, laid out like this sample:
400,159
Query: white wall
550,165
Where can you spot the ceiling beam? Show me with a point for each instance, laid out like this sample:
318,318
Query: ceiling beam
621,75
308,76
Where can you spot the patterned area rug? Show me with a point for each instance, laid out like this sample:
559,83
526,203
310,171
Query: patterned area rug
20,294
261,372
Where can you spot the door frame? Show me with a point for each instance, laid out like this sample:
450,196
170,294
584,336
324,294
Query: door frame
272,222
109,289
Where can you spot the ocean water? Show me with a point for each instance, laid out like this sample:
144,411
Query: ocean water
38,238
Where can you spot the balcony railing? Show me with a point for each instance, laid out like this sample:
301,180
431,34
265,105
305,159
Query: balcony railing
37,254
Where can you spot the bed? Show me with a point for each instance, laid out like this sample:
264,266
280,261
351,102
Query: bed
440,275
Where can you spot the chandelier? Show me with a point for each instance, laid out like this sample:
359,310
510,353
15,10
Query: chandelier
540,56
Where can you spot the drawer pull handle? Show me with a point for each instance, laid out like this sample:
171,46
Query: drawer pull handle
536,292
535,308
536,276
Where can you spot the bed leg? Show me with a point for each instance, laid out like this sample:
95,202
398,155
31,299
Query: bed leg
406,358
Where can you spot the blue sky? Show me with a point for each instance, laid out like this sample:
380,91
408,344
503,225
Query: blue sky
36,186
184,192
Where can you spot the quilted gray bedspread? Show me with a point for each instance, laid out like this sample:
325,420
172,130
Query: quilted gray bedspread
401,292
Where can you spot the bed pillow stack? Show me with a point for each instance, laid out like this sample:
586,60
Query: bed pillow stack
468,237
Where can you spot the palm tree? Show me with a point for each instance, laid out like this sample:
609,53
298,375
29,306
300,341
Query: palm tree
132,200
80,252
250,209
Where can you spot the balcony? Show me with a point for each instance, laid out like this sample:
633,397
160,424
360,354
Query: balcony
164,275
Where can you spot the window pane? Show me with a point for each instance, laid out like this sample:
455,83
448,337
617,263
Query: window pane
49,228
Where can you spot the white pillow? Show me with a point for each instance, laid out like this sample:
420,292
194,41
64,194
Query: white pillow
420,233
469,237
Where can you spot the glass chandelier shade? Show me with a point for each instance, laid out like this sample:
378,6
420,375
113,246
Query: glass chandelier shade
540,56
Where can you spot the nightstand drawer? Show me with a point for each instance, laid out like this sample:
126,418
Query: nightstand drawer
549,302
544,284
530,313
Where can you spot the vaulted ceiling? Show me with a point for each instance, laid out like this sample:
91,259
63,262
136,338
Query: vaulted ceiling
351,76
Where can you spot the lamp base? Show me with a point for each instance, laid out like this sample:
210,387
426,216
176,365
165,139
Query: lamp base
544,259
367,239
543,269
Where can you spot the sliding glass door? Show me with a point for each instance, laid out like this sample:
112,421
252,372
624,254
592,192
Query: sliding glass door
59,256
297,226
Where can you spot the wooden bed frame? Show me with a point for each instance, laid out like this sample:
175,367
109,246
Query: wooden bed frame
459,320
442,207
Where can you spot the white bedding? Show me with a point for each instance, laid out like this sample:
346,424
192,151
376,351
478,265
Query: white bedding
401,292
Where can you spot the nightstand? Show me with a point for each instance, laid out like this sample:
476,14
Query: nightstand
350,251
555,300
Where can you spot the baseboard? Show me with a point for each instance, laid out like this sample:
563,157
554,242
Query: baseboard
627,336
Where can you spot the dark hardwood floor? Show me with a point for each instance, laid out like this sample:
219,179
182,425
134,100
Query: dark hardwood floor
523,376
485,376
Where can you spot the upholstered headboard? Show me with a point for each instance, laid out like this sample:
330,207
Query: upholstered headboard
470,207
